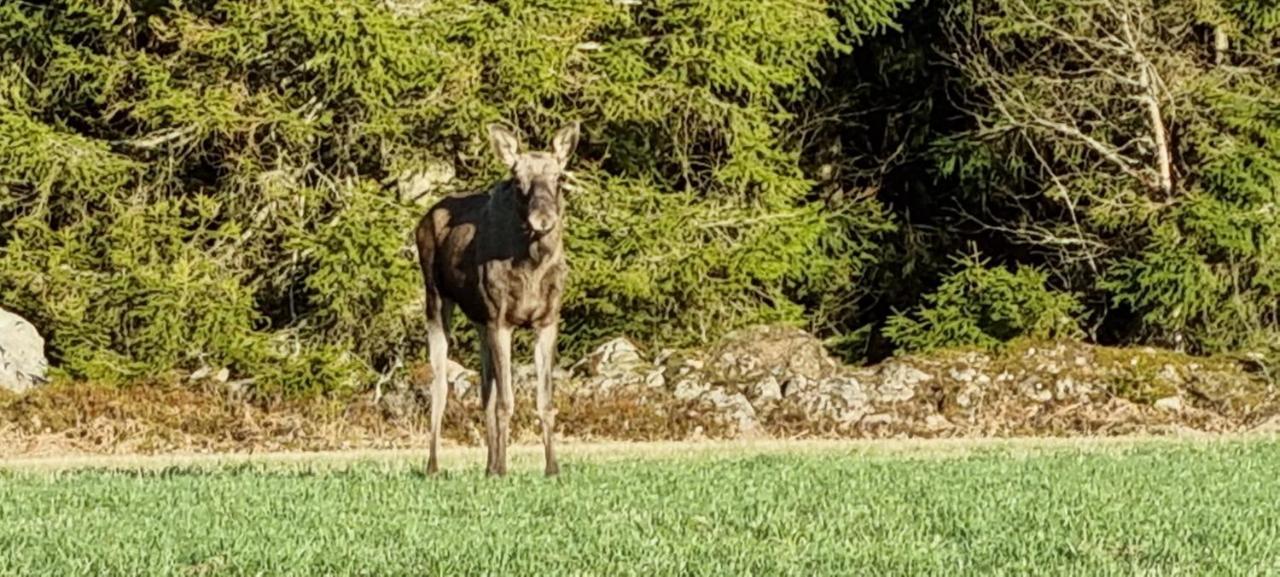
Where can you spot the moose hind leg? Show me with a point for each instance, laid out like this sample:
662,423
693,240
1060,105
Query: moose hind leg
488,397
544,361
438,313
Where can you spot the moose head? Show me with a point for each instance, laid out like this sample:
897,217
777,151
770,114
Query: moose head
536,175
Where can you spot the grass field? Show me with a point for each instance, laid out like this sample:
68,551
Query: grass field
1166,508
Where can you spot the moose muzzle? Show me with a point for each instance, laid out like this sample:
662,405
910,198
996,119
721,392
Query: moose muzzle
544,215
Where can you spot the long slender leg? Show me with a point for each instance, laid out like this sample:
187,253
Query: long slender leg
544,355
488,386
500,361
438,313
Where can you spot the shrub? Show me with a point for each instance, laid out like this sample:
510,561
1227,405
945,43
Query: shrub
984,306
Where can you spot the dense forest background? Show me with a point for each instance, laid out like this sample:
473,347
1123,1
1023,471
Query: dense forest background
233,183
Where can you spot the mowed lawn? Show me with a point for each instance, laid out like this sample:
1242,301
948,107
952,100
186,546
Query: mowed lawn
1164,508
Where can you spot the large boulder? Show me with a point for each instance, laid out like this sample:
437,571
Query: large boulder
784,353
22,361
782,368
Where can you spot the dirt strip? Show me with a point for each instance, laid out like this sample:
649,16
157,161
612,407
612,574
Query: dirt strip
528,456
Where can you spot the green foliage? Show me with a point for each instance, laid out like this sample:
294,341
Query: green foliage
229,183
1211,269
233,182
984,306
1159,508
359,286
681,275
1060,164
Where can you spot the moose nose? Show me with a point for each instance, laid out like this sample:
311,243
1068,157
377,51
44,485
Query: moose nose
541,222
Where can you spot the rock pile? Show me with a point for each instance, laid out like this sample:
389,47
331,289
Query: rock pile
762,381
781,381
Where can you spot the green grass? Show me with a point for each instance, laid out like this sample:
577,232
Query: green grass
1167,509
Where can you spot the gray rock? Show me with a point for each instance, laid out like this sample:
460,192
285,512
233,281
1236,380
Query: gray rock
614,357
843,399
899,381
783,352
524,376
617,364
840,398
689,388
656,379
1032,388
1172,404
461,379
736,408
22,361
767,390
963,375
937,423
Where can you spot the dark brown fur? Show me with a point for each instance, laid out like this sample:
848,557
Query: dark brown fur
499,256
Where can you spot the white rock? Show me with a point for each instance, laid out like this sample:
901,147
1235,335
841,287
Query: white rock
617,355
460,378
687,389
22,361
964,375
768,390
1172,404
736,407
656,379
899,382
937,423
845,398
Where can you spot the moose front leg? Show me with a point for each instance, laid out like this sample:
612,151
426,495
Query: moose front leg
488,390
544,355
499,349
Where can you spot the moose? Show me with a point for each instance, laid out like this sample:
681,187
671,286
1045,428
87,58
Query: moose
499,256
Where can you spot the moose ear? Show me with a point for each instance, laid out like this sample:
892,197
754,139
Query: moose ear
565,140
505,144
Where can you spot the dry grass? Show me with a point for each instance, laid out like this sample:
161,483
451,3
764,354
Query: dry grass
528,457
89,418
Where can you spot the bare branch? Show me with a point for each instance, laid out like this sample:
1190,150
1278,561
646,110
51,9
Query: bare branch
158,139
